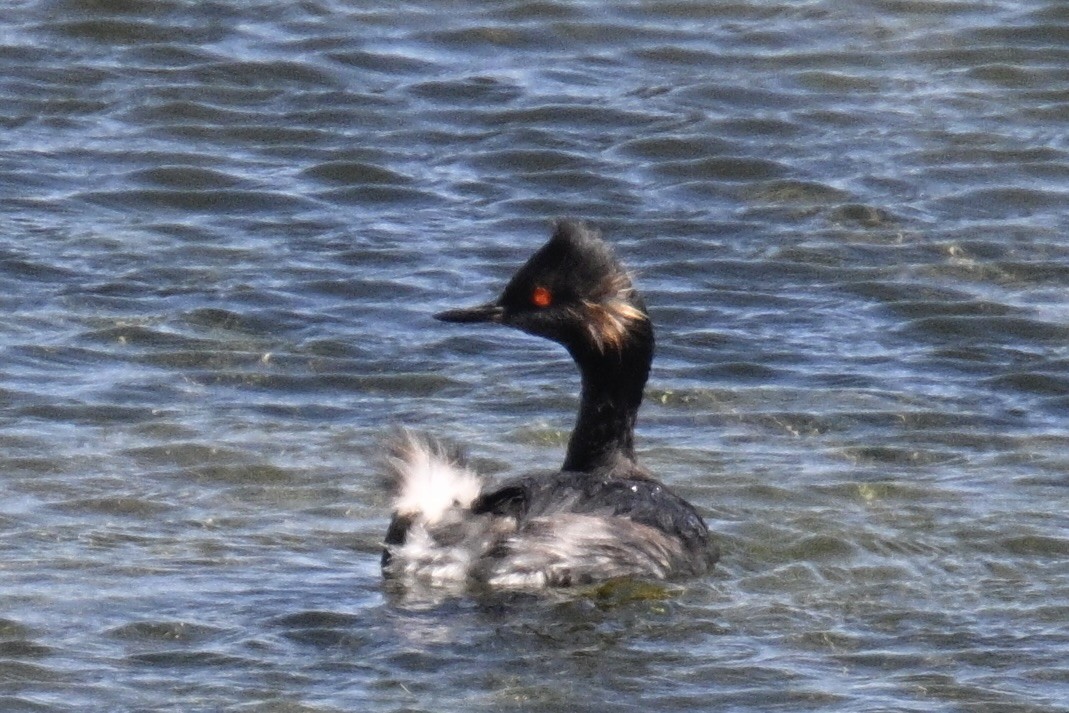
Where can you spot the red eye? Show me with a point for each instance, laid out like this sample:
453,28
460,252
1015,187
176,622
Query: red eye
541,297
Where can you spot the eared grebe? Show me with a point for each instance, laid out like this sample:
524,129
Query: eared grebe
601,516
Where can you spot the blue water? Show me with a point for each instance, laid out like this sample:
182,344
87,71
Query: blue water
224,227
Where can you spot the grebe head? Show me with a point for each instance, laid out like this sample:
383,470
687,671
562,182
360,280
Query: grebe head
573,291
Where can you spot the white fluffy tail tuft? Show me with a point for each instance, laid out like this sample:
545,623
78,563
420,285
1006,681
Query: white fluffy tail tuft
428,478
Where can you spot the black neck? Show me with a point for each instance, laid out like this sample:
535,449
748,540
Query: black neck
612,385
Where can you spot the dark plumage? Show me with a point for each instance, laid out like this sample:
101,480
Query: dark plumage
602,515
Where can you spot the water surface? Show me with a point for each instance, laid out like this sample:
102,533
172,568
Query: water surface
224,227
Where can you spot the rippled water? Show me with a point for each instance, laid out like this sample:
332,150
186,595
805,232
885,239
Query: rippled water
223,228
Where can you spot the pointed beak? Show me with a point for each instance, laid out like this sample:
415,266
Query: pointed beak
489,312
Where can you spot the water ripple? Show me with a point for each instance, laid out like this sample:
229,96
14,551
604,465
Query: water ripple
225,229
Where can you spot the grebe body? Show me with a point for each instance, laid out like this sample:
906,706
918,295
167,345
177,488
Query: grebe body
603,515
